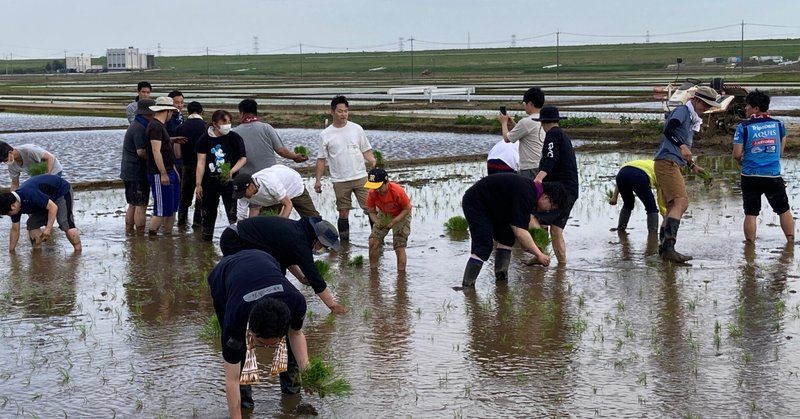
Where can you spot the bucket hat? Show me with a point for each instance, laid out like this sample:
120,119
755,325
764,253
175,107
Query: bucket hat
549,114
709,96
163,103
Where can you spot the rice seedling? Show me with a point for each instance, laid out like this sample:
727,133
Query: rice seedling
378,158
225,172
324,269
541,237
456,224
301,150
38,168
385,219
320,378
211,329
356,262
609,194
708,180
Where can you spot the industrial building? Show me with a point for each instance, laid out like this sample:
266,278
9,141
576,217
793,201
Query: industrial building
128,59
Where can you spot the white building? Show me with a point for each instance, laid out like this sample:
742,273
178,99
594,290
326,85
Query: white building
126,59
79,64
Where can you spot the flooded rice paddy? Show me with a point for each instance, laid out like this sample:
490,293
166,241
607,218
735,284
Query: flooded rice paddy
115,331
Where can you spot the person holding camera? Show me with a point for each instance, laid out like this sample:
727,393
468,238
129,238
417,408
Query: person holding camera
528,132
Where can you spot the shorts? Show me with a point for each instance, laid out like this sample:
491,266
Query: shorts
483,231
304,205
137,193
400,232
166,198
64,216
773,187
529,173
670,179
344,191
557,217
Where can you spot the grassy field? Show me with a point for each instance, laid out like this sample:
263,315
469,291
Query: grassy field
576,61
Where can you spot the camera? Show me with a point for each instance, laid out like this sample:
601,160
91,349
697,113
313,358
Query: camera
503,110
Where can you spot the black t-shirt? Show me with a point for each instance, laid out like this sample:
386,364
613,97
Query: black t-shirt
558,160
218,150
156,132
192,129
237,283
507,198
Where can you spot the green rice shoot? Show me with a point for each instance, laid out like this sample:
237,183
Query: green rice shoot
268,212
356,262
456,223
707,178
385,219
225,172
301,150
324,269
320,378
38,168
541,237
609,194
378,158
211,329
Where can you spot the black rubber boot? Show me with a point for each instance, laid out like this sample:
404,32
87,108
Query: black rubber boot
660,240
668,251
502,258
246,393
652,222
624,217
471,272
343,225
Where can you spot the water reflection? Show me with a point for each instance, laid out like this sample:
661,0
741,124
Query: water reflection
40,289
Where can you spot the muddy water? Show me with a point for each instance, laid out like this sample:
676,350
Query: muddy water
615,333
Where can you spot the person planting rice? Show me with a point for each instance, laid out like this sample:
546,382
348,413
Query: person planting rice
638,177
46,198
672,155
28,158
253,297
276,186
758,145
291,243
498,208
392,201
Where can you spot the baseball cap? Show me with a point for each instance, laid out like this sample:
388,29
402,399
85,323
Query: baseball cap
376,178
326,233
240,184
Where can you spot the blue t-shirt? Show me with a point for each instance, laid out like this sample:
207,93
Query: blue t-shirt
237,283
35,193
761,139
668,150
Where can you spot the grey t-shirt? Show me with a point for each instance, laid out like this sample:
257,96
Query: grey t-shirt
260,143
530,135
31,155
667,150
134,168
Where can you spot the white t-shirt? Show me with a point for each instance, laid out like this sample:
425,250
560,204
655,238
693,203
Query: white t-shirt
274,183
530,135
344,149
507,152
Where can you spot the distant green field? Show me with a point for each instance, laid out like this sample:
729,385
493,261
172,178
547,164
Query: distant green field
469,63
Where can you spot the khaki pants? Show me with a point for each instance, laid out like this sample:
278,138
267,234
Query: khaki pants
400,232
670,180
344,191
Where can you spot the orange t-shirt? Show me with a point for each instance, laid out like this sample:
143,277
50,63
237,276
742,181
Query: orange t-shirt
392,202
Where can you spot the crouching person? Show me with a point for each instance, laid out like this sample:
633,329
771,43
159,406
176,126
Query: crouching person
395,215
252,297
45,198
498,208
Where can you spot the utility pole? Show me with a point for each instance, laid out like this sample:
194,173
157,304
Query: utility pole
301,60
558,56
255,45
412,56
208,66
158,50
469,40
742,50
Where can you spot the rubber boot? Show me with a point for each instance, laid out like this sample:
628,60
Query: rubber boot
502,258
652,222
471,272
343,225
197,218
668,248
660,240
624,217
246,393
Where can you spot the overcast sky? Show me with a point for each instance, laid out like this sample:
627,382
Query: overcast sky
48,28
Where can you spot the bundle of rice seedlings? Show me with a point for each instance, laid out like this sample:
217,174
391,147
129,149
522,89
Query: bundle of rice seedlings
225,172
541,237
378,158
320,378
324,269
38,168
268,212
301,150
457,223
211,329
385,219
707,178
356,262
609,194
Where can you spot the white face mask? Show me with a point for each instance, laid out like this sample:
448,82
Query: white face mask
225,129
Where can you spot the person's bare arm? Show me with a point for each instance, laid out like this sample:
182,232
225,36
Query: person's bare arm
327,298
52,211
198,173
286,211
783,145
232,390
142,153
13,238
372,213
320,170
614,196
738,152
14,183
297,340
51,161
295,270
291,155
399,217
159,161
239,164
526,241
369,156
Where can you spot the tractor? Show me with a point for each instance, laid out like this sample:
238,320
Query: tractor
721,121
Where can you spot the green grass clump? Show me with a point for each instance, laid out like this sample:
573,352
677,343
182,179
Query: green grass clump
541,237
320,378
707,178
268,212
457,223
301,150
225,172
324,269
385,219
211,329
378,158
580,122
38,168
356,262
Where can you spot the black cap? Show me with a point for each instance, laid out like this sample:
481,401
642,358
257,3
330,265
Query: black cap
240,184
